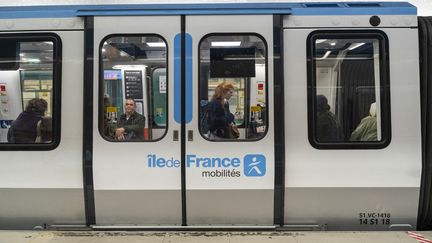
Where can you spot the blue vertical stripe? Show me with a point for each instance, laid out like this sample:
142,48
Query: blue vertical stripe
189,89
177,78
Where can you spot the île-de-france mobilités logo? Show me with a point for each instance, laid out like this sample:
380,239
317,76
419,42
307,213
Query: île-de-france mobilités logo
254,165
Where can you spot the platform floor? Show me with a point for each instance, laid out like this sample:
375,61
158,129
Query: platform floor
208,237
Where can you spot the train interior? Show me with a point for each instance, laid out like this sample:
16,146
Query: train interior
348,88
26,71
240,60
135,68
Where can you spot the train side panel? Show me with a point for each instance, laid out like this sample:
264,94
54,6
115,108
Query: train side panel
354,189
40,188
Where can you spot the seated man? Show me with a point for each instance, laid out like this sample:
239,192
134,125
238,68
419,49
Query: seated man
131,124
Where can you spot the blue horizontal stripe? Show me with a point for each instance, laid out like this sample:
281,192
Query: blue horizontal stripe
328,8
185,12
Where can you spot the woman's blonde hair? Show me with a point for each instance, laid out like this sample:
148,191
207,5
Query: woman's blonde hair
220,92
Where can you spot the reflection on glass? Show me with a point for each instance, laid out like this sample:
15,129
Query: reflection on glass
134,88
347,87
233,87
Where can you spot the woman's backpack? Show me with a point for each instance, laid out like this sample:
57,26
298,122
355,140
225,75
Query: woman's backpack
205,116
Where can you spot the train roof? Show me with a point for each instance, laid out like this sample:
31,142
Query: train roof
289,8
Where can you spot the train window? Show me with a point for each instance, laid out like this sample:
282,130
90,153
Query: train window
233,87
29,92
349,102
133,80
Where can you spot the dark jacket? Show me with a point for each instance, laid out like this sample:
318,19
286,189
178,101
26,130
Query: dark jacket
220,118
23,129
134,127
327,127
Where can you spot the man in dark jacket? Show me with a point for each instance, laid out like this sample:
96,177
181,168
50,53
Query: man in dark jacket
131,124
327,127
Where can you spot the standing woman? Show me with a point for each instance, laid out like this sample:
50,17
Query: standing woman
221,119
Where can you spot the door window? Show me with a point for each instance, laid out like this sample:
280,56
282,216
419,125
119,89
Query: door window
30,91
233,87
349,99
134,88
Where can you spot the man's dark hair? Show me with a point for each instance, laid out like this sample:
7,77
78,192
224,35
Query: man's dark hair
37,105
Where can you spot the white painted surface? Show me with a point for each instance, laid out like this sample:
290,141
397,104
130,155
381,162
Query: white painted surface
42,24
356,21
62,167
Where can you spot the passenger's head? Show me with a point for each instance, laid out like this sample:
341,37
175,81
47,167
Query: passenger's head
44,129
37,105
130,106
223,91
372,110
322,103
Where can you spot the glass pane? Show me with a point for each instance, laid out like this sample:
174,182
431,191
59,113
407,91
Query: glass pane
233,87
26,105
134,88
348,93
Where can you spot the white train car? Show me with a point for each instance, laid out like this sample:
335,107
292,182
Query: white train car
332,130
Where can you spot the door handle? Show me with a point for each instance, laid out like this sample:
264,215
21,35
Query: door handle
190,135
175,135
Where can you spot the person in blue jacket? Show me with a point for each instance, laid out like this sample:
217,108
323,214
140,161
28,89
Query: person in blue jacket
220,117
24,128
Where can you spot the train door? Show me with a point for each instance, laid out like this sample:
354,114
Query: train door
136,144
229,174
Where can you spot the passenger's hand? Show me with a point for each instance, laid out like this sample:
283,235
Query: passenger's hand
119,133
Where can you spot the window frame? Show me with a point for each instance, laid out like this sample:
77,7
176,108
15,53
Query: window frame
266,84
101,86
384,88
56,97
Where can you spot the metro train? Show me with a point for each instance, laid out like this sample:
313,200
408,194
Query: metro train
331,102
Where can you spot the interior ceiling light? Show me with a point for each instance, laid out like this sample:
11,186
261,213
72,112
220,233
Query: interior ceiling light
320,41
225,43
131,67
30,59
156,44
355,45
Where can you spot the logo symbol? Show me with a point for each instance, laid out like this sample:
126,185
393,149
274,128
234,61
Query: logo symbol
254,165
